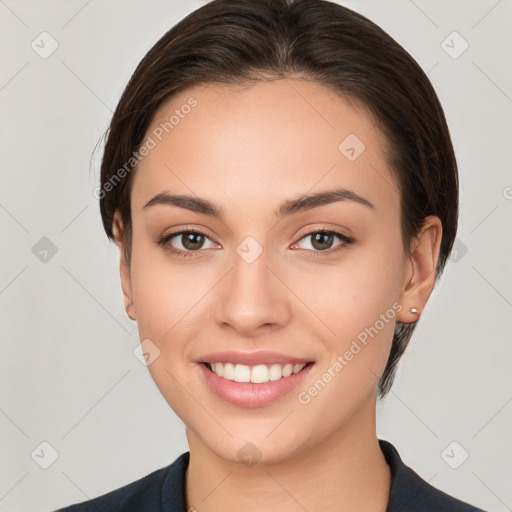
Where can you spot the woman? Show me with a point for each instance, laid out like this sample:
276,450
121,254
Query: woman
281,184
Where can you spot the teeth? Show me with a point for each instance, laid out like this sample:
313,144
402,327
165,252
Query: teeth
257,374
298,367
228,372
260,374
287,370
242,373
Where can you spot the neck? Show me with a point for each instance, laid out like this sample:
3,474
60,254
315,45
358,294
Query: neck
345,471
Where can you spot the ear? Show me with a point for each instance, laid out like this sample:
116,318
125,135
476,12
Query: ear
420,271
124,267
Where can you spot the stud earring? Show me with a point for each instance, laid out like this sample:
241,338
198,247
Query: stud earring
415,311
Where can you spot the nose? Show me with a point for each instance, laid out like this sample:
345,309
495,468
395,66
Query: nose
252,299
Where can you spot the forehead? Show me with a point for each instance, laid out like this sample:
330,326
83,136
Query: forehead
263,141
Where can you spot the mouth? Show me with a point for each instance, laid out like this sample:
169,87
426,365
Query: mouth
253,379
256,374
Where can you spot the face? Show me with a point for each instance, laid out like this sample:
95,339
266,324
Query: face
255,270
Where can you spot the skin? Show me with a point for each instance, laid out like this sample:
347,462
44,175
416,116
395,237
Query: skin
248,150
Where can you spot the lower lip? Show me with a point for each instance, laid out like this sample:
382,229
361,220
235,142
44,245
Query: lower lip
250,394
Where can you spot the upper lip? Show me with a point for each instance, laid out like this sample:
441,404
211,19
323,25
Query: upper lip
252,358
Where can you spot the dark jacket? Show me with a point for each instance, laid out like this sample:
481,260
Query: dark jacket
164,491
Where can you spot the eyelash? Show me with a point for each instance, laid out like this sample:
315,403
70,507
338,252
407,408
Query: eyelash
164,239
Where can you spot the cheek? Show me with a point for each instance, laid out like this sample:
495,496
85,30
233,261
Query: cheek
364,285
170,313
168,297
360,309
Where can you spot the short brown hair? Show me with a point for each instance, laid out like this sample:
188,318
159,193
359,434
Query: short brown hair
246,41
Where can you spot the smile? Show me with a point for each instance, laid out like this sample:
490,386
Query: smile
253,386
257,374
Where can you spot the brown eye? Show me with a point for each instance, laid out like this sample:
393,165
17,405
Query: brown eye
323,241
192,241
185,243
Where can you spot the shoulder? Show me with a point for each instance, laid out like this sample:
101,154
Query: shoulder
165,485
409,492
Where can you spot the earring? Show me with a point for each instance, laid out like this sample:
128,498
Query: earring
415,311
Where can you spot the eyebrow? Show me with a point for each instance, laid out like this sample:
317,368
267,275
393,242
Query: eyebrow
288,207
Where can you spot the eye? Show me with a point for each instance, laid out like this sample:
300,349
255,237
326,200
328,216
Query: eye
322,241
191,242
185,243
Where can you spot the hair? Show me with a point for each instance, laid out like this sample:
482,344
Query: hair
246,41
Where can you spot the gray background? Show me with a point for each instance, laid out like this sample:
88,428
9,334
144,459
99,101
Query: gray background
68,374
